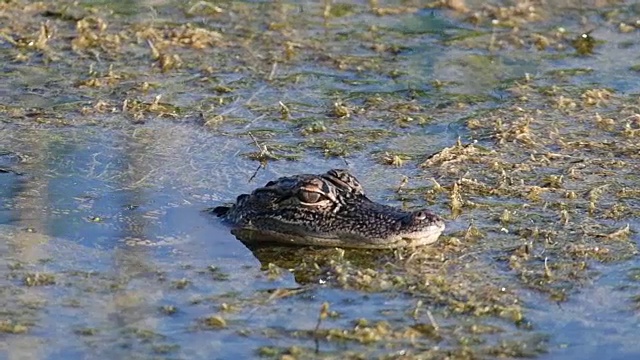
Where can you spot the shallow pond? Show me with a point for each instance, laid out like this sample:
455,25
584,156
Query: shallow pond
121,122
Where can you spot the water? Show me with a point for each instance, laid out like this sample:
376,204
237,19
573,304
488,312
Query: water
105,250
116,215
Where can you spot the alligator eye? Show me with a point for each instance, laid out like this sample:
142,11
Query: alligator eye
309,197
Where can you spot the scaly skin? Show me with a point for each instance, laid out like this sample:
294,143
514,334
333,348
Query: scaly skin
326,210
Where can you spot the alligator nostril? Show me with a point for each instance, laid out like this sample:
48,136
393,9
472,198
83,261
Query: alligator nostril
420,215
415,218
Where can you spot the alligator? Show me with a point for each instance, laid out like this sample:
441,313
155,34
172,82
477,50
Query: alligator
329,209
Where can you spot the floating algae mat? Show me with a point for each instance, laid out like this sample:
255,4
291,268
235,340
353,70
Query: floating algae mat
120,123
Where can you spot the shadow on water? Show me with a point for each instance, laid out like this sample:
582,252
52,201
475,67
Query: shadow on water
306,263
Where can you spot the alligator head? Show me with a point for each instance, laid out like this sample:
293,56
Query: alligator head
326,210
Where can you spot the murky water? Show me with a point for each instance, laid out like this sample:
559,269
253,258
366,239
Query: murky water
115,217
109,157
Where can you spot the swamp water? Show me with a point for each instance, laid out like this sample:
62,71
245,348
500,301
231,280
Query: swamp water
120,122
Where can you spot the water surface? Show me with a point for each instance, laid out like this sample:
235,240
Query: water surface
121,123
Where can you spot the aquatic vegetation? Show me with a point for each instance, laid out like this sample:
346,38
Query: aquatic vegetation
118,123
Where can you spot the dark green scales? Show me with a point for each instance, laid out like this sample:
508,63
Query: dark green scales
330,209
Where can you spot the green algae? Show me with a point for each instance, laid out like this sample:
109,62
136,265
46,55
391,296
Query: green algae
532,175
39,279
